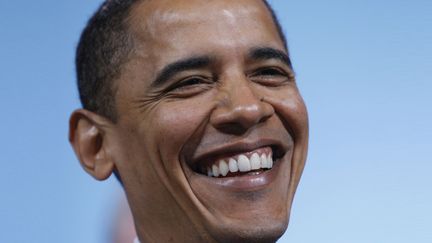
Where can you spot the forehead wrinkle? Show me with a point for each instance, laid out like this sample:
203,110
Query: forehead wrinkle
152,16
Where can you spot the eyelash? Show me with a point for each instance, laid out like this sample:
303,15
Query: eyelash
189,83
269,76
272,71
272,76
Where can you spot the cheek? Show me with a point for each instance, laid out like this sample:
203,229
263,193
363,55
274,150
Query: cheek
298,112
175,122
289,105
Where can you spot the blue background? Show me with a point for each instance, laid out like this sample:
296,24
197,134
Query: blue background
364,68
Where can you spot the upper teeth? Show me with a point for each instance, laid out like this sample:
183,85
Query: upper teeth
242,163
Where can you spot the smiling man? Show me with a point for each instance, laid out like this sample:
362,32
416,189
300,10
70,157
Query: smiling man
194,106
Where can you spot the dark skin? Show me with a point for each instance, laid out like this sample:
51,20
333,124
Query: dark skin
208,81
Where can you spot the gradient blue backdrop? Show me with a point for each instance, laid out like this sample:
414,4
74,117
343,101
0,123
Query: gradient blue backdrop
364,68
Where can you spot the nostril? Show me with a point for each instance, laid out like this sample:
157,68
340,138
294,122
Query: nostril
263,119
238,125
240,111
232,128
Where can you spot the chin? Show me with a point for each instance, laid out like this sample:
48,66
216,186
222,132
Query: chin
268,230
249,206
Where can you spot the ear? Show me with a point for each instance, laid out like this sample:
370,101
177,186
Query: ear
87,136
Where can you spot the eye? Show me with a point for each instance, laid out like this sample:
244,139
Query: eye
271,76
191,81
190,86
269,72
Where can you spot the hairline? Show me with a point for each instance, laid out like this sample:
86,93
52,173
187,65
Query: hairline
108,108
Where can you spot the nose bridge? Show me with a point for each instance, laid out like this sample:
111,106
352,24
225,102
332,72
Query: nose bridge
240,105
241,94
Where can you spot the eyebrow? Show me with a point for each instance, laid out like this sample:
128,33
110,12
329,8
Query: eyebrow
179,66
266,53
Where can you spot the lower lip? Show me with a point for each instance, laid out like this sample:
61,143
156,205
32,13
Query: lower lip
248,182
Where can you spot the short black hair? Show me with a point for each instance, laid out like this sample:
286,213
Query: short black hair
103,48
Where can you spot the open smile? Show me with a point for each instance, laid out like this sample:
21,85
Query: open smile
251,162
243,166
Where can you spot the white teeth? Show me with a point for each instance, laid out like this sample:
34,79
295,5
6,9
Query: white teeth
233,167
264,163
270,161
223,168
215,170
244,163
255,162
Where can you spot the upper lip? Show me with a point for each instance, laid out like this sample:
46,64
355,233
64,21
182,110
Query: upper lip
237,147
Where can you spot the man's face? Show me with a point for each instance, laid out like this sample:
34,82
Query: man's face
212,132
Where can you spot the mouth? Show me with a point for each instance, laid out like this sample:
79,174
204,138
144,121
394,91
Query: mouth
243,162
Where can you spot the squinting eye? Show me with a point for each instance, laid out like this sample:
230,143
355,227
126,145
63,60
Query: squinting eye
191,81
190,86
269,72
271,76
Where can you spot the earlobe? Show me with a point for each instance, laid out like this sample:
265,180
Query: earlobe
87,137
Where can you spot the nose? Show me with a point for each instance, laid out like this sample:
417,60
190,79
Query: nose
240,107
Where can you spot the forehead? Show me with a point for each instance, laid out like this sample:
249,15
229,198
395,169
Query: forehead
169,20
165,31
171,11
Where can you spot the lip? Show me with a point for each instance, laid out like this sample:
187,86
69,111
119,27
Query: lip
247,182
243,183
231,149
